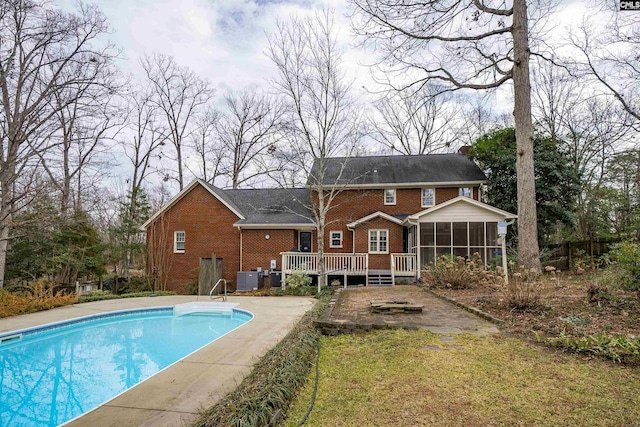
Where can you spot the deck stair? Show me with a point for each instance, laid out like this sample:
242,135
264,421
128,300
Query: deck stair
379,278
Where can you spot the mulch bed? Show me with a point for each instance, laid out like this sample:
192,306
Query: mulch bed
563,306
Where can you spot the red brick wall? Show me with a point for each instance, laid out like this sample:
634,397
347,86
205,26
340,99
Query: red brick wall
208,227
258,251
351,205
379,261
444,194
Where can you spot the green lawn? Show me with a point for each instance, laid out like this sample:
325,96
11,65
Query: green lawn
391,378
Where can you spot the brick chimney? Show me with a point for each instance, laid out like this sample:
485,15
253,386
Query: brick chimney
464,149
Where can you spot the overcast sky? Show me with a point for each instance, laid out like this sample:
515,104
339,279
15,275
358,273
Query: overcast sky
225,40
222,40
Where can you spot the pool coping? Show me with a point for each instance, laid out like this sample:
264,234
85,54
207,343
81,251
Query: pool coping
175,395
141,310
81,319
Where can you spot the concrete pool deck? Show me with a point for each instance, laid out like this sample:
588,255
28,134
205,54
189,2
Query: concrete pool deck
174,396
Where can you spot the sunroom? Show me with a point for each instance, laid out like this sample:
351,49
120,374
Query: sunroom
459,227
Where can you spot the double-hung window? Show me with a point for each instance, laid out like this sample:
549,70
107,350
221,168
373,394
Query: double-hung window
335,239
428,197
378,241
179,238
390,196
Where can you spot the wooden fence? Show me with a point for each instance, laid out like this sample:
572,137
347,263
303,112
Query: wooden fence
564,255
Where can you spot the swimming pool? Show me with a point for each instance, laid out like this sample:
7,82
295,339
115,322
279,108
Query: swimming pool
54,373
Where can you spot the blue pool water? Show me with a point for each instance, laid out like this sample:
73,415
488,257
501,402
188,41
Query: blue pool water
56,373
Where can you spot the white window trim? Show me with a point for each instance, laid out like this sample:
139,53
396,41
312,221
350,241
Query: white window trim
384,195
470,192
422,197
331,245
377,250
175,242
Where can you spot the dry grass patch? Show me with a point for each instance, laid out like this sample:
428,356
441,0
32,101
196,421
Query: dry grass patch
387,378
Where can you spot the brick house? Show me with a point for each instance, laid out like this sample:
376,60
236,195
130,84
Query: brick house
392,216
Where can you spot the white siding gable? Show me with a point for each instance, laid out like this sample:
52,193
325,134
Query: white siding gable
462,212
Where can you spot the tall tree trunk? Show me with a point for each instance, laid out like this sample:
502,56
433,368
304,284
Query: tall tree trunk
180,173
65,190
528,251
7,175
4,243
322,214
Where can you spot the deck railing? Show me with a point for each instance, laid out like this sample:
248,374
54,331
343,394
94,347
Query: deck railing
351,263
300,261
333,263
403,265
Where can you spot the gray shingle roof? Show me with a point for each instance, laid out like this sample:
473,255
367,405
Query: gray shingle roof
428,168
224,196
271,206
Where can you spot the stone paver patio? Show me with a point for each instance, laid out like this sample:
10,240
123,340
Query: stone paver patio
438,316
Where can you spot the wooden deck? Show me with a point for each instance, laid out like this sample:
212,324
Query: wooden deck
350,264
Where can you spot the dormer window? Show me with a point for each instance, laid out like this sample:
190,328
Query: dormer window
390,196
465,192
428,197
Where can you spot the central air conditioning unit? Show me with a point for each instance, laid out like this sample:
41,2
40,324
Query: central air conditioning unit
276,279
247,280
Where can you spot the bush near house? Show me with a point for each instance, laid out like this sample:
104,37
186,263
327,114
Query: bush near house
297,279
455,272
624,265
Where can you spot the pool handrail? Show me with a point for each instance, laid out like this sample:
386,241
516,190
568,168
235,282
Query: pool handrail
224,297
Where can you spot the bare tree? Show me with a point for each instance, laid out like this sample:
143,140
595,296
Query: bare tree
44,51
469,44
415,122
609,54
207,146
144,137
322,120
590,128
84,128
179,95
250,128
159,249
478,118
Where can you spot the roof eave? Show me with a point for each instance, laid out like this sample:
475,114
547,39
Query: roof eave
372,216
415,217
404,185
276,226
180,195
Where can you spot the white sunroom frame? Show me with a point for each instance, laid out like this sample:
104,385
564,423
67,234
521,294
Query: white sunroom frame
459,209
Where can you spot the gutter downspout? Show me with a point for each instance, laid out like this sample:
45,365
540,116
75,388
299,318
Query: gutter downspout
416,223
353,239
353,251
240,229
